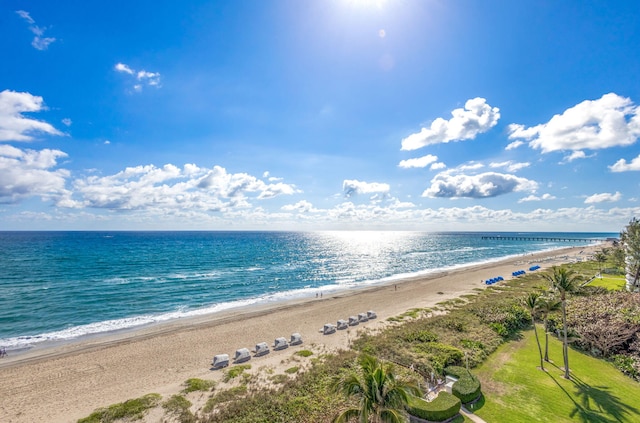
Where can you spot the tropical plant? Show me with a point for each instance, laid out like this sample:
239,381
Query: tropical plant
601,257
532,302
546,306
564,281
381,396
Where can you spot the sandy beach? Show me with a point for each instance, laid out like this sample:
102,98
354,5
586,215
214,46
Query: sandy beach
67,382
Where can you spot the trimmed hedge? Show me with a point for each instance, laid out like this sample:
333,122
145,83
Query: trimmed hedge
467,387
443,407
456,371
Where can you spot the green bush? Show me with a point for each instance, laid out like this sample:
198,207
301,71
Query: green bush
443,407
466,388
304,353
195,384
627,365
440,355
456,371
133,409
420,336
500,329
235,371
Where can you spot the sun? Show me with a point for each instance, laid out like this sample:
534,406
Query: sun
367,3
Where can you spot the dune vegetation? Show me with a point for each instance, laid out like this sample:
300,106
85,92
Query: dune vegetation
489,333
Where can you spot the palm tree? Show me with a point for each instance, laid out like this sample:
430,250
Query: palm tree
601,257
547,305
531,301
381,396
564,281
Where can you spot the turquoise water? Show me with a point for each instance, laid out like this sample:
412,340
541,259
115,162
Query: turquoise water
62,285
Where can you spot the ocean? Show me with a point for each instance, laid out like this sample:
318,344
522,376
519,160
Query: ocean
60,286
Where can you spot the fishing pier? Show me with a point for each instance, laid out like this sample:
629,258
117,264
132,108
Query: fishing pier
538,238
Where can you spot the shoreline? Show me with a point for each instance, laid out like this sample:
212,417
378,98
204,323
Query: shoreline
255,303
66,382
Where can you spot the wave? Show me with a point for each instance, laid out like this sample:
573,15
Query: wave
340,282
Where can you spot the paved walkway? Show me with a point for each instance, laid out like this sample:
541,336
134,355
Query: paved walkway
471,416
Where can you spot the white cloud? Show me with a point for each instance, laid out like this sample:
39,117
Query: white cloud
514,145
26,16
151,78
39,42
532,197
353,187
171,188
267,176
622,165
13,125
575,155
300,207
27,173
603,197
67,121
142,77
437,166
468,166
510,165
476,117
607,122
419,162
121,67
483,185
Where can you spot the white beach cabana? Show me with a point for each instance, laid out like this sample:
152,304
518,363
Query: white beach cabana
220,360
296,339
342,324
242,354
353,320
362,317
371,314
280,343
328,329
261,349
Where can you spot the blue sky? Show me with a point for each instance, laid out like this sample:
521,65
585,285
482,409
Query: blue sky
320,114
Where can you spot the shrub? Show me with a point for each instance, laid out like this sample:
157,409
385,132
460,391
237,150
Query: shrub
292,370
235,371
453,323
178,406
440,355
304,353
456,371
195,384
467,387
420,336
443,407
279,378
471,344
500,329
627,365
225,396
133,409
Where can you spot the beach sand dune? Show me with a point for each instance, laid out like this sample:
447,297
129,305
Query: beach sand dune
67,382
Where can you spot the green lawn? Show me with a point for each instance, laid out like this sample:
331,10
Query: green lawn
516,390
614,283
